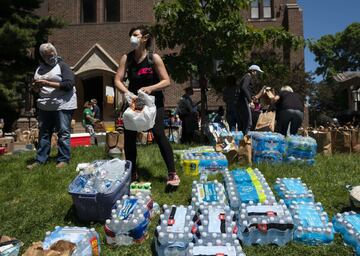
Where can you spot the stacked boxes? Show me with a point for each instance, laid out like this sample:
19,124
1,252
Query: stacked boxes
348,225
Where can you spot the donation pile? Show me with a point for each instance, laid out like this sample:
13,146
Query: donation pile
301,149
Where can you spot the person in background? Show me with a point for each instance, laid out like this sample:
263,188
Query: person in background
188,115
146,72
245,97
230,103
88,120
54,81
95,109
290,111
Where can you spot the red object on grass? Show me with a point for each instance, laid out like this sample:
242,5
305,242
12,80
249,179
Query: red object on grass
2,150
80,139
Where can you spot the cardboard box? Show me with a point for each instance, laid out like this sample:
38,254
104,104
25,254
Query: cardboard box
8,143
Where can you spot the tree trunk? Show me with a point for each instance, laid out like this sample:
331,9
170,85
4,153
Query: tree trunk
204,120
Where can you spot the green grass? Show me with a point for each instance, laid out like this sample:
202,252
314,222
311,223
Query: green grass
33,202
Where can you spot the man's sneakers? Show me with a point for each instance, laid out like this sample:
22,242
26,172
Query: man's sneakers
33,165
173,179
60,165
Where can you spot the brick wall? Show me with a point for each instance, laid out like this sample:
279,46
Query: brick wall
76,39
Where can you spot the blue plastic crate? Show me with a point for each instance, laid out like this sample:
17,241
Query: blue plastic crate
97,206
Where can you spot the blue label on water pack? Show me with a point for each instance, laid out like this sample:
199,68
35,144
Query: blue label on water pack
295,186
310,216
127,209
247,192
240,176
354,220
210,193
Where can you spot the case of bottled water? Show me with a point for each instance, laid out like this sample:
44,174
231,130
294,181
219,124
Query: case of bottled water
86,240
216,225
311,222
246,185
216,131
301,149
175,230
129,220
348,225
204,162
238,136
10,248
95,194
293,190
267,147
265,223
207,193
179,154
229,249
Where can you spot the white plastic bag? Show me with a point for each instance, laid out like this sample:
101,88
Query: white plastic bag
141,120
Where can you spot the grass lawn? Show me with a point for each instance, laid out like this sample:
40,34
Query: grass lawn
33,202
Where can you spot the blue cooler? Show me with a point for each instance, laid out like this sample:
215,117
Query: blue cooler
97,206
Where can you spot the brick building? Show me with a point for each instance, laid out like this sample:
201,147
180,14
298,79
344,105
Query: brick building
97,36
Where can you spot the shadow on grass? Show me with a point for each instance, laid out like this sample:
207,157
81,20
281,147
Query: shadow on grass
71,216
146,175
170,189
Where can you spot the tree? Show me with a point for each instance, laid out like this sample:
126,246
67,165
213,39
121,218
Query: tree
202,33
337,53
21,31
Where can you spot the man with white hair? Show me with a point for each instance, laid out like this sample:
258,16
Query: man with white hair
54,81
246,96
289,110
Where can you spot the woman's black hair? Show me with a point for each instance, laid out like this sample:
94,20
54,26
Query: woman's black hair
144,30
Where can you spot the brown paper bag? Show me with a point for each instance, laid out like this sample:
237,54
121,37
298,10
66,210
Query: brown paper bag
114,140
341,141
245,150
266,121
323,141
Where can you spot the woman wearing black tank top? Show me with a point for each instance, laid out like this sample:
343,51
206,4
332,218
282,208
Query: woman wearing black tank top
146,72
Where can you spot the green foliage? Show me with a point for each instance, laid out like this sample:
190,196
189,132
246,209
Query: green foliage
33,202
200,32
337,53
21,32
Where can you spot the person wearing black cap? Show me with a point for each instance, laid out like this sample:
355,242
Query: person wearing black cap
245,97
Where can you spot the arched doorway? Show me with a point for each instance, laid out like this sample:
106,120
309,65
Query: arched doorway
93,89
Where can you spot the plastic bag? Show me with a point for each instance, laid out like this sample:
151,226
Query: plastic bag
141,120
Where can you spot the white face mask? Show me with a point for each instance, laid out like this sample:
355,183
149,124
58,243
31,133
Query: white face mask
134,41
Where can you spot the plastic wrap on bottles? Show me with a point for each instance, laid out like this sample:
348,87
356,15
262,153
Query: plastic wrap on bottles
265,224
204,162
207,193
293,190
174,232
312,225
179,154
238,136
267,147
86,240
10,248
348,225
245,186
217,131
301,149
231,249
216,226
129,220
